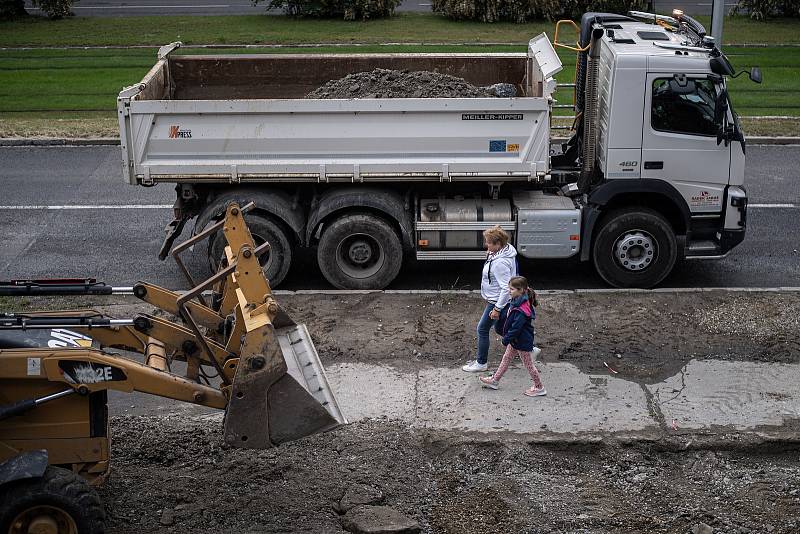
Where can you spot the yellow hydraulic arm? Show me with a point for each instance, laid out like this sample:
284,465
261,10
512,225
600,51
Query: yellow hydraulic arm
272,392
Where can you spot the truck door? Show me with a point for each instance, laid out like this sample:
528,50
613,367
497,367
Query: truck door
679,138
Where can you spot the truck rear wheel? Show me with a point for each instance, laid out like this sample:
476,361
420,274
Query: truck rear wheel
59,502
359,252
634,248
276,262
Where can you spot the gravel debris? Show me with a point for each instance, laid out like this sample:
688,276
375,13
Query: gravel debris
385,83
761,317
446,482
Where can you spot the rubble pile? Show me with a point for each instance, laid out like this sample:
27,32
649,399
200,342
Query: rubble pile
385,83
173,473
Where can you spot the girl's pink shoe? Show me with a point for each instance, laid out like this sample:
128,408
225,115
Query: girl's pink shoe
535,392
488,382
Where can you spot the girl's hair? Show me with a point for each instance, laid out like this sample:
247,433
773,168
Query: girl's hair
495,234
520,282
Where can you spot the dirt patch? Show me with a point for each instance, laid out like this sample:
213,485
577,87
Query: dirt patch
385,83
176,475
646,337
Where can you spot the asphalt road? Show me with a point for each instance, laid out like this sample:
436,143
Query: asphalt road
119,245
129,8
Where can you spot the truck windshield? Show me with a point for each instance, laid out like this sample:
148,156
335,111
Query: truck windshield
687,109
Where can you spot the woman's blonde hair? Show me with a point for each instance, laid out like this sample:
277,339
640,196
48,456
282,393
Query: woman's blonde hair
495,234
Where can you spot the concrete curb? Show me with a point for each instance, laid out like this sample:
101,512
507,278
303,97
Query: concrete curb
58,141
114,141
763,440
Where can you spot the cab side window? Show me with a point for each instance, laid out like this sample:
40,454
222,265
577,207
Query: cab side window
684,106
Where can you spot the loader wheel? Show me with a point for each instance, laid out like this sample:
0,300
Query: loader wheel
276,262
359,251
58,502
634,248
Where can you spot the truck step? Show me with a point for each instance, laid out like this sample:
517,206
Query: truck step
451,254
703,248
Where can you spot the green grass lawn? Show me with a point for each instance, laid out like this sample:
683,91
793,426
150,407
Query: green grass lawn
257,29
88,80
52,91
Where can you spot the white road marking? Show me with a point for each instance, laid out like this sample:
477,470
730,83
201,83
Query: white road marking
95,207
169,206
200,6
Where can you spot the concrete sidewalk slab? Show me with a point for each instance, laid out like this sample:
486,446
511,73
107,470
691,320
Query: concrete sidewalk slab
742,395
575,402
705,395
366,391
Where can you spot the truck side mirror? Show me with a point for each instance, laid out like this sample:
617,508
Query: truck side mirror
755,74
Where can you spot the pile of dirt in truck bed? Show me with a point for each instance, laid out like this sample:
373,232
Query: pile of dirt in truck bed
383,83
172,474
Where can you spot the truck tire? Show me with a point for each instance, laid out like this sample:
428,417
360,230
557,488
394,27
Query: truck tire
276,262
634,247
359,251
59,499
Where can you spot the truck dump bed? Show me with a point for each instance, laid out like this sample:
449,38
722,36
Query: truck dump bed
244,118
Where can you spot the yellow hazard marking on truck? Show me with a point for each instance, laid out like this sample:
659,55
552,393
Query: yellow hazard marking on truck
513,147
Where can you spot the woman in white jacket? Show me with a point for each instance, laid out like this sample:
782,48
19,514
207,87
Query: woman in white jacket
500,266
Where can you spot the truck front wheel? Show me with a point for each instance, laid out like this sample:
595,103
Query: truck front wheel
634,247
275,263
359,251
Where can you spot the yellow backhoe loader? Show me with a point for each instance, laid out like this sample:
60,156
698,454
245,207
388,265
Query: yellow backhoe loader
241,353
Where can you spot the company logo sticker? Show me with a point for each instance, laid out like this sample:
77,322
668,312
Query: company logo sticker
175,132
67,338
492,116
705,200
77,372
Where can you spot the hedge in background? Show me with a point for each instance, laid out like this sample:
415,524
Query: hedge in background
346,9
763,9
10,9
528,10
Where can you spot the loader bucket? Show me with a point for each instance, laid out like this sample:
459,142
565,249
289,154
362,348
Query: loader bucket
287,398
275,385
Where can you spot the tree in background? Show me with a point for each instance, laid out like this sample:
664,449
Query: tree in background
764,9
54,9
325,9
528,10
11,9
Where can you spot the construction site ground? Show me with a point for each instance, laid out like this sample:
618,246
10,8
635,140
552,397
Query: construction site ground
666,412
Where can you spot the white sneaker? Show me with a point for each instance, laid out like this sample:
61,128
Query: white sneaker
535,353
475,367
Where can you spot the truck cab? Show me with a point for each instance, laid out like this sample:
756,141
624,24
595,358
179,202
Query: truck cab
658,132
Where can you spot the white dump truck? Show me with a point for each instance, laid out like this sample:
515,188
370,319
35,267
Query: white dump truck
653,174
